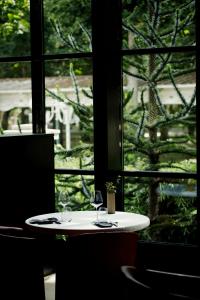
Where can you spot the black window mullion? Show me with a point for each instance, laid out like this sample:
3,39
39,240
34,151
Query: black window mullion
37,66
107,90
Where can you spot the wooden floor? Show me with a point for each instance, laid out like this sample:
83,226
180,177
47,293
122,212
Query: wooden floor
49,282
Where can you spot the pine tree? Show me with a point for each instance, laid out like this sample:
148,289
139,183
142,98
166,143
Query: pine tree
149,141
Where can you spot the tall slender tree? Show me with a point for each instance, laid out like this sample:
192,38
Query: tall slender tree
160,24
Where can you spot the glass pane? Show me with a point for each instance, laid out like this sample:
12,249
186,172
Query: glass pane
67,26
15,98
69,112
14,28
160,112
77,190
157,24
171,205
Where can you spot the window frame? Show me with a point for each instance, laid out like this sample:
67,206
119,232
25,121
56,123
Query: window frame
106,56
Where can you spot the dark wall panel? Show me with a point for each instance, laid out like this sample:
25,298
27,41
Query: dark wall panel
26,177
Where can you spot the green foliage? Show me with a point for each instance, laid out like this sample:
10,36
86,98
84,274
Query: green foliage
14,17
151,116
81,155
68,29
159,23
62,15
144,148
14,36
159,137
84,148
110,187
77,188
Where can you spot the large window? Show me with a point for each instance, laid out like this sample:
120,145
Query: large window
159,115
115,82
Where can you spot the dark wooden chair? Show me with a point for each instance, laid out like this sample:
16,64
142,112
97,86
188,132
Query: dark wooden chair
47,245
21,267
90,264
157,284
169,257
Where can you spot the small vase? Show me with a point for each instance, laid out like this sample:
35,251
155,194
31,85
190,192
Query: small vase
111,203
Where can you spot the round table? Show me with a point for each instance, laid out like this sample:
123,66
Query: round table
79,222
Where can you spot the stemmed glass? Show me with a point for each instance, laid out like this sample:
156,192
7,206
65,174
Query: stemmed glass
63,201
96,201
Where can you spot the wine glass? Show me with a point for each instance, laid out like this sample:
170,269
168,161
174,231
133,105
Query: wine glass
103,214
96,201
63,202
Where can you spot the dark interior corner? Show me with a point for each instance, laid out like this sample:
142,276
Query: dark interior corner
169,257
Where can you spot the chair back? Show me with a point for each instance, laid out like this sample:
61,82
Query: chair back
93,260
169,257
21,269
156,284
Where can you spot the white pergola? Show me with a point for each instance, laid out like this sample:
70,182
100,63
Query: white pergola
16,93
